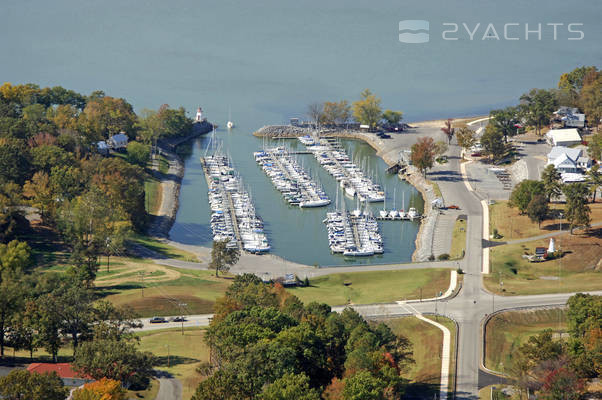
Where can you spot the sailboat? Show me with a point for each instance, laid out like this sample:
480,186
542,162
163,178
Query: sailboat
230,124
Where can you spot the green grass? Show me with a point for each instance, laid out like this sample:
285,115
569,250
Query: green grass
163,164
458,240
163,248
436,188
576,269
507,331
148,394
427,343
186,352
451,325
374,286
152,193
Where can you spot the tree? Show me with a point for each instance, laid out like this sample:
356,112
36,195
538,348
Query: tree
440,148
561,384
367,111
466,137
223,257
590,98
537,107
363,386
114,359
39,191
114,323
594,146
14,161
493,142
103,389
537,209
505,121
552,182
448,130
315,112
594,179
423,154
290,387
19,384
336,113
45,157
576,210
523,193
138,153
106,116
15,258
392,117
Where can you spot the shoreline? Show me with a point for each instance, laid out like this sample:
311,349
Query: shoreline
170,194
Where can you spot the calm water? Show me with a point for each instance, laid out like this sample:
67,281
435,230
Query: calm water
266,60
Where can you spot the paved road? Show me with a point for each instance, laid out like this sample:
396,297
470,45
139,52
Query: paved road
170,388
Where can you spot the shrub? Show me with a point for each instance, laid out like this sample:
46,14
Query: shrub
443,257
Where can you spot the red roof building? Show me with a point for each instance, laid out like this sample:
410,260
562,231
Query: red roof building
63,370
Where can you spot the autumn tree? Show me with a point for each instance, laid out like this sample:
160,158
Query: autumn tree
423,154
336,113
39,191
594,146
392,117
315,112
107,116
576,210
223,257
594,179
367,110
448,129
466,137
493,142
523,193
102,389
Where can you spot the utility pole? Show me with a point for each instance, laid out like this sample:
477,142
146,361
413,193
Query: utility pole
142,281
108,243
182,315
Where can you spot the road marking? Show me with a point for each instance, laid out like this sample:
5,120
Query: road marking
485,266
464,177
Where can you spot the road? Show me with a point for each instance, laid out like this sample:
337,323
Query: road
473,303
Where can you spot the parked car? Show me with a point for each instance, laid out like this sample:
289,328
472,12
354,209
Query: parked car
157,320
178,319
453,207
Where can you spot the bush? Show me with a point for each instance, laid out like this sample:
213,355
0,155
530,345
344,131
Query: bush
496,234
138,153
443,257
431,258
459,271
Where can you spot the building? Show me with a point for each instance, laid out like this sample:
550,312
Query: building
564,111
572,163
63,370
563,137
119,141
576,120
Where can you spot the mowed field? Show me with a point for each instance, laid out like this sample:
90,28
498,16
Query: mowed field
507,331
579,268
427,344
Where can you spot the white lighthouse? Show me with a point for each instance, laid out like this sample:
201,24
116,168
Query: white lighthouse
199,115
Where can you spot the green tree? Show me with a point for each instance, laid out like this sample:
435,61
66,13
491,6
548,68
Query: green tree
523,193
290,387
367,111
423,154
542,347
552,182
106,116
47,156
594,179
363,386
590,98
19,384
537,107
493,142
466,137
14,161
114,359
594,146
223,257
576,210
392,117
11,306
505,120
537,209
138,153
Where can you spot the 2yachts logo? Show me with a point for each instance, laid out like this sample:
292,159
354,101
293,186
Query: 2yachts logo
417,31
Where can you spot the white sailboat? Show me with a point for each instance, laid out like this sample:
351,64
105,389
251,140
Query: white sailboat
229,124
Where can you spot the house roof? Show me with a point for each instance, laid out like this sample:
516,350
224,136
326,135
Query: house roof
565,161
63,370
564,135
119,137
557,151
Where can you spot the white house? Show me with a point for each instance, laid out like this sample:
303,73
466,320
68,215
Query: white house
563,137
574,120
119,141
102,147
570,162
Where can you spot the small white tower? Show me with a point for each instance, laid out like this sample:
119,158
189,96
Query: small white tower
199,115
551,247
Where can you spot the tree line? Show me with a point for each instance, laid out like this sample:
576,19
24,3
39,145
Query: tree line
265,344
366,111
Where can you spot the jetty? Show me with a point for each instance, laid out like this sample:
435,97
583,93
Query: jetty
233,217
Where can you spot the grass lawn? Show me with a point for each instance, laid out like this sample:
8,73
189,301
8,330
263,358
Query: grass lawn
507,331
458,240
511,225
427,343
163,248
148,394
178,354
161,289
577,268
152,193
436,189
374,286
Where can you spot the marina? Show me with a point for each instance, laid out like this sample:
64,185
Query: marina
337,162
353,234
290,179
233,217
